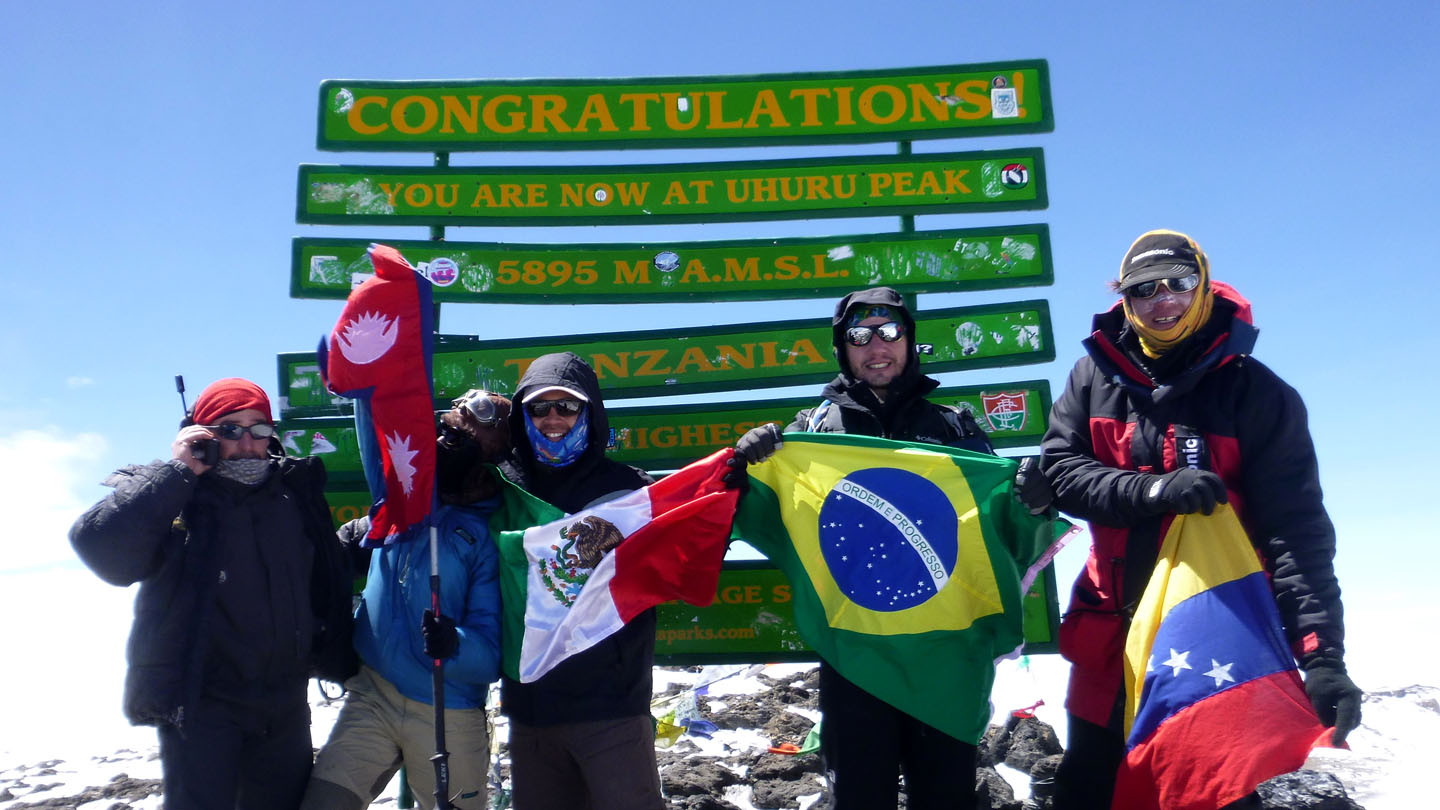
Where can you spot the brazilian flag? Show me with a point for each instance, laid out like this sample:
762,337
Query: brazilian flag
906,562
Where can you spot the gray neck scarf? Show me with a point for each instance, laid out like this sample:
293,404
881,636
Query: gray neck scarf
248,471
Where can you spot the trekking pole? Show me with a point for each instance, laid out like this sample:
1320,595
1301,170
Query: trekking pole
441,759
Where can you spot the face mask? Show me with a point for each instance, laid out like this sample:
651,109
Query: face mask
569,447
248,471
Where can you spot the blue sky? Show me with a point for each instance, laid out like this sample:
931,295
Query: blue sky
148,205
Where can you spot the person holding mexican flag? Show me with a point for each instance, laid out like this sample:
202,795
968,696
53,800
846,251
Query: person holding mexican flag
580,733
909,555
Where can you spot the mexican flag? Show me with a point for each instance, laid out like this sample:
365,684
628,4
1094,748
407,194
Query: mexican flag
908,563
569,581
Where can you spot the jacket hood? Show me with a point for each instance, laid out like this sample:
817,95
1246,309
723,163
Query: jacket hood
875,296
571,371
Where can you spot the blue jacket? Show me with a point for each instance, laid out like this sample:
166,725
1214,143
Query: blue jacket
397,592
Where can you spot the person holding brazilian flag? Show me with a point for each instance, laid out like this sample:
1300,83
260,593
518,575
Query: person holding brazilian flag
896,525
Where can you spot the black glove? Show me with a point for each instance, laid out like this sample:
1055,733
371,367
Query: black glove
1185,492
758,444
1335,697
1032,488
735,477
441,640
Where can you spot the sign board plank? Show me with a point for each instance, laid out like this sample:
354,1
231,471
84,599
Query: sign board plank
946,101
715,358
740,191
753,619
760,269
664,437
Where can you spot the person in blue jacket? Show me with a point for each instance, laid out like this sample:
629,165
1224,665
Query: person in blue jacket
387,719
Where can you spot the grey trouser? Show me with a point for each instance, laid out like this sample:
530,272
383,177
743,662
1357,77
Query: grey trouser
380,729
597,765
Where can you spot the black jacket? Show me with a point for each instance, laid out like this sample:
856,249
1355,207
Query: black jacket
613,678
244,592
1122,414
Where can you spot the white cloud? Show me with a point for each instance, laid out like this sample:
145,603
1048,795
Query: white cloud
47,478
78,382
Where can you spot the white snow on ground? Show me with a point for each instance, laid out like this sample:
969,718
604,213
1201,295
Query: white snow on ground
64,635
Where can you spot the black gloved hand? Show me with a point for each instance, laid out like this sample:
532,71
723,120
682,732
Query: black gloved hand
1032,488
441,640
1185,492
735,477
1335,697
759,443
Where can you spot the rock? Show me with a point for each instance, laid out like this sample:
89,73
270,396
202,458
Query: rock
1020,743
1305,790
991,750
778,794
697,777
784,767
1042,782
992,792
1030,741
741,711
787,727
703,803
122,788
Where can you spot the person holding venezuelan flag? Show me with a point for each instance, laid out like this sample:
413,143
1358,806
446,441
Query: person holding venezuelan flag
1166,415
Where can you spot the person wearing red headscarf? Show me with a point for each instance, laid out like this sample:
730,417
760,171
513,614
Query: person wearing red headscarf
244,594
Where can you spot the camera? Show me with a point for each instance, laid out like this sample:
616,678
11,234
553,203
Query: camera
205,451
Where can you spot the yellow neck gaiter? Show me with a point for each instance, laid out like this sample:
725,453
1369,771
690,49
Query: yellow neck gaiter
1155,343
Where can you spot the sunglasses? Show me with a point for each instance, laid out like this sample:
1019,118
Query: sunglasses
477,403
235,432
566,407
1147,289
888,332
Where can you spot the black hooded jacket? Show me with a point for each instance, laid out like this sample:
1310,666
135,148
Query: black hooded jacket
613,678
244,591
905,415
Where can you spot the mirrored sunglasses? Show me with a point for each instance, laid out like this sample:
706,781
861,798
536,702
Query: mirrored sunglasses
235,432
1147,289
478,404
566,407
888,332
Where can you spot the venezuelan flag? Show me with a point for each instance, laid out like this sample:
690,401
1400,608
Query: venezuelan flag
1214,703
906,563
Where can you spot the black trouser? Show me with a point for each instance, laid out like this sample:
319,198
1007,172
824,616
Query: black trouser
1085,779
867,744
234,758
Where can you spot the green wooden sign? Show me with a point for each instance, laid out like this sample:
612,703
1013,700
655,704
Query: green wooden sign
930,261
851,107
753,619
715,358
1002,180
663,437
347,501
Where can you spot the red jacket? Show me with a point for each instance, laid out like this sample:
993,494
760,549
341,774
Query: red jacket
1206,404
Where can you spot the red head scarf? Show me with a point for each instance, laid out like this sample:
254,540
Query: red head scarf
228,396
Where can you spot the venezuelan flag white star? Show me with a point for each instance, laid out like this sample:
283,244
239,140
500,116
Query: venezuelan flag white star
1177,661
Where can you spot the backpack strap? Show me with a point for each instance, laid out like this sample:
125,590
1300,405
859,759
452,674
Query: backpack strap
817,416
